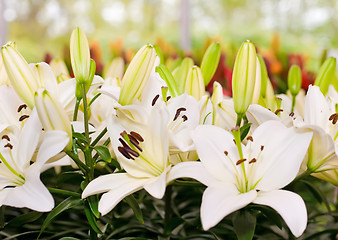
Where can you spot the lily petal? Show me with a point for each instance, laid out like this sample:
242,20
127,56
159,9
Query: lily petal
118,185
157,187
32,194
193,170
289,205
218,202
280,160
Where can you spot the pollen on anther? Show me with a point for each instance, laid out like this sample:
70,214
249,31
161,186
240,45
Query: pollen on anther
137,136
22,106
240,161
9,146
23,117
291,114
262,148
334,118
253,160
5,137
278,111
168,98
234,141
124,153
249,138
185,118
226,153
154,100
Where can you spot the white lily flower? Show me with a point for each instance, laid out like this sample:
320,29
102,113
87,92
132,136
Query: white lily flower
20,184
270,161
320,116
143,152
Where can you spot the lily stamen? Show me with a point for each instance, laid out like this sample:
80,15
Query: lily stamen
5,137
137,136
10,146
23,117
240,161
334,118
155,99
22,106
125,153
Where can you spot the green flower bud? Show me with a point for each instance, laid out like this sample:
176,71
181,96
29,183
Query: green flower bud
137,75
194,84
168,78
326,74
20,74
180,75
264,75
210,61
115,69
294,79
243,77
3,75
80,55
51,114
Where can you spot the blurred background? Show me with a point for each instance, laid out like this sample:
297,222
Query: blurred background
296,26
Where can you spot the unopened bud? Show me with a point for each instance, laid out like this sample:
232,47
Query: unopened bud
210,62
20,74
115,69
243,77
51,114
294,79
264,75
194,84
59,67
180,75
80,55
137,75
326,74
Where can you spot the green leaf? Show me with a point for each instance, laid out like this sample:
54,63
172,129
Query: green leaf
244,225
245,130
63,206
115,163
91,219
80,137
69,238
132,202
104,153
23,219
94,205
317,193
271,215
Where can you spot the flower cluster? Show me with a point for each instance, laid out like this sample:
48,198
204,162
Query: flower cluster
153,126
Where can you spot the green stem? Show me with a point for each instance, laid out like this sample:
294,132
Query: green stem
76,109
104,131
78,162
239,119
94,98
64,192
293,103
85,113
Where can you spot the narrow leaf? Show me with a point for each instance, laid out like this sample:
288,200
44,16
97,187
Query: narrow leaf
132,202
23,219
91,219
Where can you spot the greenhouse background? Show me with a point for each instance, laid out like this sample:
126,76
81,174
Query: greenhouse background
39,26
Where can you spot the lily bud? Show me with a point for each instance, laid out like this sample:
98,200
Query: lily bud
51,114
59,67
3,75
243,77
294,79
180,75
194,84
264,75
326,74
210,62
80,55
115,69
166,75
257,88
20,74
137,75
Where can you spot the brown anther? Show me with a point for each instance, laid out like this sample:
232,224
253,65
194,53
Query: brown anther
226,153
135,142
23,117
278,111
124,153
240,161
137,136
234,141
22,106
291,114
9,146
132,152
262,148
124,144
185,118
178,112
249,138
334,118
154,100
5,137
253,160
168,98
